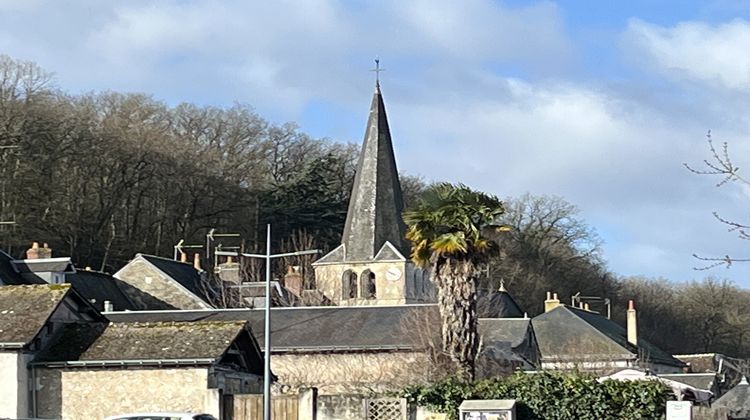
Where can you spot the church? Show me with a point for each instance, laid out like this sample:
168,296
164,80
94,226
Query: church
382,329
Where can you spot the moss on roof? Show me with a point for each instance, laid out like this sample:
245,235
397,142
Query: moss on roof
24,309
164,340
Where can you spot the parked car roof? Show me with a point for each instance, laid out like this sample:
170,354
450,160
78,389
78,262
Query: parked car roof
162,416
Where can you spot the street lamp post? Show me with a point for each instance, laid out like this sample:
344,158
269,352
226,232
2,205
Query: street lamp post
267,313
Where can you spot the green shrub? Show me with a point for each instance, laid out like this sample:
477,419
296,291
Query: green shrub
550,396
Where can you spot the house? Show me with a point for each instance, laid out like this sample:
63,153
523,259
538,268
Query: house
153,282
37,268
162,366
58,353
577,338
342,349
32,318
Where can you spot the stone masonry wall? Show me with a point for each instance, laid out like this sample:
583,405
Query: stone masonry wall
411,287
345,373
82,394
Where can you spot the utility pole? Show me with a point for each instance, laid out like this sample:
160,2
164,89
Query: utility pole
267,313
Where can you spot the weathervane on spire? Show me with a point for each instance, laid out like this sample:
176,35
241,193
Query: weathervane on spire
377,71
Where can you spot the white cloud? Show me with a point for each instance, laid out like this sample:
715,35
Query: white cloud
716,54
456,114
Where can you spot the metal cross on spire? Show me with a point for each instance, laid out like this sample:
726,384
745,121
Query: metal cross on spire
377,71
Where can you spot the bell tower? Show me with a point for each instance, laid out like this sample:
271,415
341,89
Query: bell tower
372,265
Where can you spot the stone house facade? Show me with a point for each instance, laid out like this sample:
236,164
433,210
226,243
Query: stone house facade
197,366
33,318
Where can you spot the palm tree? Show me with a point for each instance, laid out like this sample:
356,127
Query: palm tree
449,231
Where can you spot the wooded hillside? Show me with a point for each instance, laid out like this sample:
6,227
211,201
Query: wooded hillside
102,176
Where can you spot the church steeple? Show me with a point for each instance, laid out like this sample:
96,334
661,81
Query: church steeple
376,202
372,266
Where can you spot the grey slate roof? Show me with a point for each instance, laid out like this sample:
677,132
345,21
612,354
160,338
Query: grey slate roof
183,273
567,334
737,400
9,275
698,380
25,309
512,330
312,328
164,341
498,304
46,265
341,328
374,214
96,287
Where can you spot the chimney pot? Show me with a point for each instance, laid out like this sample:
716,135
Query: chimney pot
293,281
551,304
230,259
183,257
632,324
549,295
88,268
35,252
108,306
197,261
586,306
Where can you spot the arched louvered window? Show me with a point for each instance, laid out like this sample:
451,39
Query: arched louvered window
369,290
349,285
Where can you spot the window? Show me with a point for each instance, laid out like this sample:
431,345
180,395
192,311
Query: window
369,289
349,285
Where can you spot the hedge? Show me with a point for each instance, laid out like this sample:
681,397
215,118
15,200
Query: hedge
550,396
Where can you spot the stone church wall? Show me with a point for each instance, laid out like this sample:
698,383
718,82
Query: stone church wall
74,394
411,285
353,372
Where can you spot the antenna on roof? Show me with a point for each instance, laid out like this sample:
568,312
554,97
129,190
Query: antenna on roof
180,246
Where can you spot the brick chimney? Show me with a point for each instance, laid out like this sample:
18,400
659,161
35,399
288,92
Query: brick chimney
35,252
293,280
632,324
197,261
552,302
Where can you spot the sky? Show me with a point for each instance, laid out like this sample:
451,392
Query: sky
598,102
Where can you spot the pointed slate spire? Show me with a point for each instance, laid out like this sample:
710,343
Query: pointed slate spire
376,203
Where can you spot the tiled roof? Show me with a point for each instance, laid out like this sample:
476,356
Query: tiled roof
698,380
737,400
9,275
25,309
341,328
164,341
97,287
45,265
498,304
181,272
566,333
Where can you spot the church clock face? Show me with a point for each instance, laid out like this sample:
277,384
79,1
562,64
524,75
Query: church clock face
393,274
